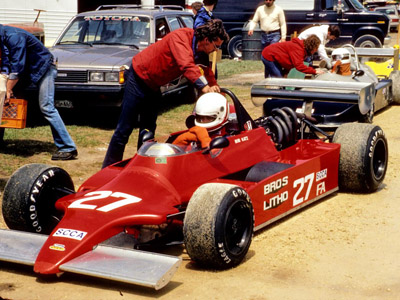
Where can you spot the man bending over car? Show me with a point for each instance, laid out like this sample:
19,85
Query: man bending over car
154,67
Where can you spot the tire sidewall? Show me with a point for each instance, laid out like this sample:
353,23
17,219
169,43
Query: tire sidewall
376,140
235,196
29,202
368,41
234,45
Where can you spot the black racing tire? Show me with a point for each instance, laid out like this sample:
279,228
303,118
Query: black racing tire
218,225
368,41
30,196
235,46
395,77
363,156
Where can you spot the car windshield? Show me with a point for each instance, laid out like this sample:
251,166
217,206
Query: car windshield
155,149
115,30
386,11
357,4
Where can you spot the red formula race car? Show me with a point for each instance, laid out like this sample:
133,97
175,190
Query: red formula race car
211,200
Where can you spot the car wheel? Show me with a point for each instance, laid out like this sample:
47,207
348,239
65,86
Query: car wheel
218,225
235,46
30,195
395,77
368,41
363,156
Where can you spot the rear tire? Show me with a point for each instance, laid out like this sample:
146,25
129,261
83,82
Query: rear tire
235,46
363,156
218,225
395,77
30,196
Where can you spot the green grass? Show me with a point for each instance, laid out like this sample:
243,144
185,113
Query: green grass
230,67
36,145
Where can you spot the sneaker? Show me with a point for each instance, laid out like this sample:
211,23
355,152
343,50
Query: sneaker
65,155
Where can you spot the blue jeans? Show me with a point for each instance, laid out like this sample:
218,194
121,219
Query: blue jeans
269,38
139,104
61,137
272,68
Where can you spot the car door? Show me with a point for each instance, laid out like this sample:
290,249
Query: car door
299,15
337,12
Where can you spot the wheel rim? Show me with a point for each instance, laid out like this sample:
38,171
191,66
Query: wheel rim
367,44
238,227
48,216
379,160
237,48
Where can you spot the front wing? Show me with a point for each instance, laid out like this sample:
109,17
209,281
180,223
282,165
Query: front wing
124,265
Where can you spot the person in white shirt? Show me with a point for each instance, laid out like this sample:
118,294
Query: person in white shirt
325,33
272,22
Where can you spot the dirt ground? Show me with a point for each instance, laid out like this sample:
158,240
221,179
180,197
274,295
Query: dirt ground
345,246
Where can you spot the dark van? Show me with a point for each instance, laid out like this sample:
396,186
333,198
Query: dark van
359,26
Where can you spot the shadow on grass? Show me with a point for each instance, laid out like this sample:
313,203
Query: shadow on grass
26,148
3,182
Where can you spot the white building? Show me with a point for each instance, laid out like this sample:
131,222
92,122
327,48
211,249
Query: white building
55,16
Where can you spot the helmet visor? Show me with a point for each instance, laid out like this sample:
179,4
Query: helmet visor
205,119
341,57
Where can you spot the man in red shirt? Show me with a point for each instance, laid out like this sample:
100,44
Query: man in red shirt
154,67
279,58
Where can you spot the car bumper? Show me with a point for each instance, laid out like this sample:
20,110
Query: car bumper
70,96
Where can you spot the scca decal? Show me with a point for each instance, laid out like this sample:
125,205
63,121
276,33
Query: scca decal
70,234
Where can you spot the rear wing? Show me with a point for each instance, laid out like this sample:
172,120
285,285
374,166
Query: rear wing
314,90
379,53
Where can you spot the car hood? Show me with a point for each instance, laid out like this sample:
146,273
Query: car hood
96,57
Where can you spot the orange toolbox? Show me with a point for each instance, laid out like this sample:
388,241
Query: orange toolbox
14,114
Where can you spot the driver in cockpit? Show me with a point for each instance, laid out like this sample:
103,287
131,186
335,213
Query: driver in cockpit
341,61
209,117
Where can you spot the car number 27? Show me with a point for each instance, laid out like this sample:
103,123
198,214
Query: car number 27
126,199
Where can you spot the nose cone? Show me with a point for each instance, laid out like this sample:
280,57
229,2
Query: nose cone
43,267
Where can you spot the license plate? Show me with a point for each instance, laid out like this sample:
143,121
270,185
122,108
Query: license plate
63,103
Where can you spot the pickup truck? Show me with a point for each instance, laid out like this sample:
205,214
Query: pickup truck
359,26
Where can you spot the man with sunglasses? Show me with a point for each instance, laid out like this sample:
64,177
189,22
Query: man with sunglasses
272,22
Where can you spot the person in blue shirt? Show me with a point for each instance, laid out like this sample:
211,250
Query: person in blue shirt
205,13
26,60
201,17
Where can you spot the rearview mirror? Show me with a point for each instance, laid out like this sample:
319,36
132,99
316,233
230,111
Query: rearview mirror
217,143
358,73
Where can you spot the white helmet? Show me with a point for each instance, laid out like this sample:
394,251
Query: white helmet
211,111
341,54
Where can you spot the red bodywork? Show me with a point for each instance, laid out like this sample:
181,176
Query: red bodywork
148,190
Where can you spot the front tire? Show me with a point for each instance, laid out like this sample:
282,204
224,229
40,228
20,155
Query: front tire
363,156
218,225
30,196
368,41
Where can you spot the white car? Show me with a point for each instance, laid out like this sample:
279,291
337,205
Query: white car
392,13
